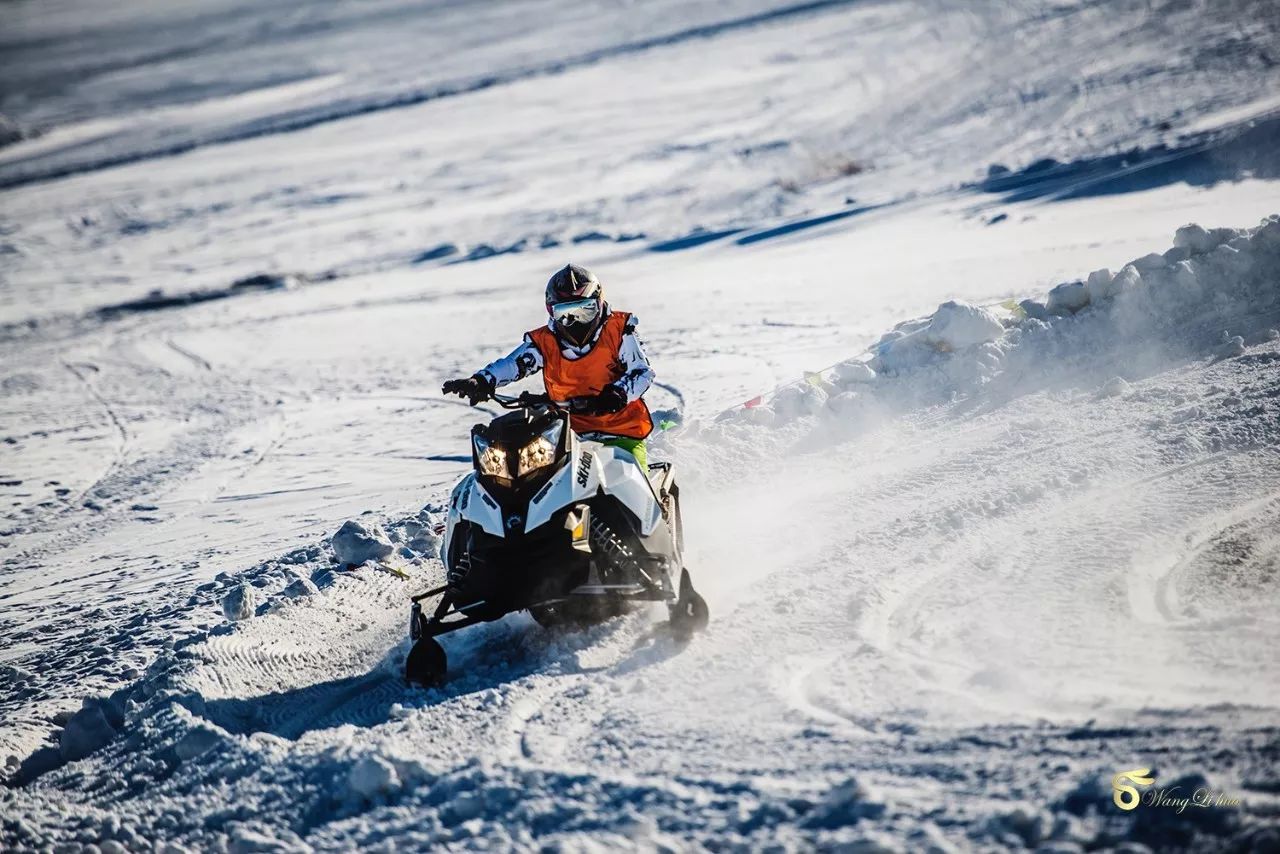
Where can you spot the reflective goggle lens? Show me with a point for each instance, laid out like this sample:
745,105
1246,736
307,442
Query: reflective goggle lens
578,311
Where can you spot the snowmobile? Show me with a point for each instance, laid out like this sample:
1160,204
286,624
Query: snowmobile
566,528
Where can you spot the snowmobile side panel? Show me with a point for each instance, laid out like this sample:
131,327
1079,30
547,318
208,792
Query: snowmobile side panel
559,492
472,503
451,520
624,481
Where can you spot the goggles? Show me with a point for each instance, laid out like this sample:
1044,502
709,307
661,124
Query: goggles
577,312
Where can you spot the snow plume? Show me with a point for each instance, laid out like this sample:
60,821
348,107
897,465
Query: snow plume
1206,296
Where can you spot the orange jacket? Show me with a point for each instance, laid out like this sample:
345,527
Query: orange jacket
588,375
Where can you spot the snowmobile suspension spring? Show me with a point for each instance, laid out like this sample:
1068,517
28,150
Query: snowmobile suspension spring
615,551
459,570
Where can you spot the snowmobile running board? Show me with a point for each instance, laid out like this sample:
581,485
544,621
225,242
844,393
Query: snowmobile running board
437,625
436,592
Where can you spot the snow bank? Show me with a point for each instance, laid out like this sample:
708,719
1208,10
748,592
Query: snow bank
1207,296
354,544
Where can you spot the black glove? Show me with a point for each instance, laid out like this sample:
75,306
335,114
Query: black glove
607,402
476,389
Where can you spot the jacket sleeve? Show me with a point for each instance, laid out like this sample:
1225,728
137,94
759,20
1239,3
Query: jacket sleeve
521,362
637,372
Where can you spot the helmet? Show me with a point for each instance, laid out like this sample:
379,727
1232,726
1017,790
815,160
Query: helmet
575,301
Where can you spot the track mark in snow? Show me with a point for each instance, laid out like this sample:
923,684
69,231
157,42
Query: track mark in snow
184,352
800,695
1231,539
123,434
523,712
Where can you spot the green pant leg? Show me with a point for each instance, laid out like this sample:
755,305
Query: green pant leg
635,447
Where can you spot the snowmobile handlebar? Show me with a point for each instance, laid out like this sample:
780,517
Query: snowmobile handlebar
524,400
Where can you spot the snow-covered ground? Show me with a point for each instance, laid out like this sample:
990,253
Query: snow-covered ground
961,576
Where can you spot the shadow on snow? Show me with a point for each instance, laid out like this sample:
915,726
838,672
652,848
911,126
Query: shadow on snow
1251,149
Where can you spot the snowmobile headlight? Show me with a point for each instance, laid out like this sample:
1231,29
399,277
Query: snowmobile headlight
541,452
492,459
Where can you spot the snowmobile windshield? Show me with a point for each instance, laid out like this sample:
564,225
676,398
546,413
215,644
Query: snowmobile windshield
577,312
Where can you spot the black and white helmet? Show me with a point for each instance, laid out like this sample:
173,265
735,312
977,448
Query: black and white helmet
575,301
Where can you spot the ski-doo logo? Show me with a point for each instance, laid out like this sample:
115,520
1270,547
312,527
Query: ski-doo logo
584,469
1126,796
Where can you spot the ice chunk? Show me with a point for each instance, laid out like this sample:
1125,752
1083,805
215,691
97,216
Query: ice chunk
355,544
422,539
1126,280
238,603
300,588
956,325
799,399
1194,238
1068,298
1034,309
1099,284
372,775
854,371
1184,280
1150,261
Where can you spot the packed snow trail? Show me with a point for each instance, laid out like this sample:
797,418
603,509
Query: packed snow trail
916,607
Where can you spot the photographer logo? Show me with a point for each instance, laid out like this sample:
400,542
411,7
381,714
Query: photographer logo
1124,792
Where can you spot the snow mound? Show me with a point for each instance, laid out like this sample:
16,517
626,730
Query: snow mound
238,604
88,730
1158,307
956,325
371,776
300,588
853,372
1067,298
846,803
354,544
417,534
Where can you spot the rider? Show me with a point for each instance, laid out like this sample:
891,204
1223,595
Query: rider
591,360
